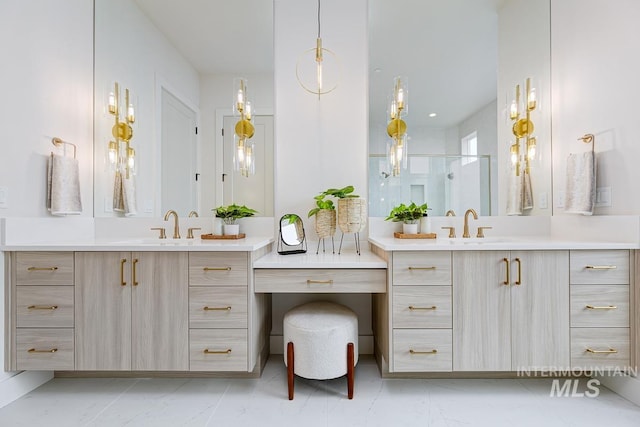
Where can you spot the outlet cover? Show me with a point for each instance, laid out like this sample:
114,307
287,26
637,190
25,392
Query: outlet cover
603,197
4,197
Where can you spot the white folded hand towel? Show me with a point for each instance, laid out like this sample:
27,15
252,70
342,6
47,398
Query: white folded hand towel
580,194
514,199
63,186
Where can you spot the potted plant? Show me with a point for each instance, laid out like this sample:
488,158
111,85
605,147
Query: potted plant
352,210
230,215
325,213
409,216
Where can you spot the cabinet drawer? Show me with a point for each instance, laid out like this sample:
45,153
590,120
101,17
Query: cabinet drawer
218,307
421,268
218,350
422,350
321,280
422,307
612,343
607,267
218,269
44,306
44,349
44,268
600,306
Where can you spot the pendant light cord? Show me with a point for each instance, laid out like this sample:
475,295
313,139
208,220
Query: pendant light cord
318,18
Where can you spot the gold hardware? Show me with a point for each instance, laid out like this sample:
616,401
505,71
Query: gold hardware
523,127
42,268
610,351
217,269
422,268
329,282
480,234
602,307
589,138
122,281
412,351
163,234
397,128
207,308
135,278
207,351
121,131
600,267
412,308
193,214
42,307
507,280
33,350
450,212
452,231
190,232
244,130
176,227
519,281
465,232
58,142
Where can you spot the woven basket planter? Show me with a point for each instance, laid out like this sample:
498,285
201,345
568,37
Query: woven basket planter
326,223
352,214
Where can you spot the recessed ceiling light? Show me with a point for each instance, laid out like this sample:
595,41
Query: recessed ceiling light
432,114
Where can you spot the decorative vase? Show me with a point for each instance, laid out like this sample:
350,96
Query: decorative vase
231,229
352,214
325,223
410,227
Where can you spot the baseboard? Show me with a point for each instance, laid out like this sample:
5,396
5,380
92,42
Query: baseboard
627,387
365,344
18,385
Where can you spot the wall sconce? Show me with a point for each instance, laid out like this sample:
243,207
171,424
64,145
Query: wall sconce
397,128
520,113
243,158
312,71
122,157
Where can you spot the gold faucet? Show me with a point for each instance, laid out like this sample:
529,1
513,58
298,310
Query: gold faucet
176,227
450,212
465,232
193,213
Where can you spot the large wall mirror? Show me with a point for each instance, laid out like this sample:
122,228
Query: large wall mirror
178,60
462,58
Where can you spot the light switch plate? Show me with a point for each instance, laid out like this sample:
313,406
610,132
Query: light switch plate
4,197
543,200
603,197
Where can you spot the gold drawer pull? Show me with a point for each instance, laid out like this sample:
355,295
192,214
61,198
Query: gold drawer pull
433,307
42,307
611,350
600,267
412,351
207,308
602,307
207,351
42,268
328,282
217,269
422,268
122,281
33,350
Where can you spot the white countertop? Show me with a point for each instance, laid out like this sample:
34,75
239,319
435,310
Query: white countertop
348,259
495,244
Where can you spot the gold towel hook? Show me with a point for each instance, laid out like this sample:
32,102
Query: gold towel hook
57,142
589,138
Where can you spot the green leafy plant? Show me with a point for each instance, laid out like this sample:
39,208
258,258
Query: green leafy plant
321,203
341,193
233,212
407,214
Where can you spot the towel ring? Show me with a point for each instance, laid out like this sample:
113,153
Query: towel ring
58,142
589,138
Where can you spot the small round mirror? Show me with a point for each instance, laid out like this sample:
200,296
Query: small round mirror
291,229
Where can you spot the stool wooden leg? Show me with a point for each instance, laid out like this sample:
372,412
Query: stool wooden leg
290,369
350,369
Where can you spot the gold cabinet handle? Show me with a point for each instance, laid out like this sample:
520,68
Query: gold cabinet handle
611,350
122,281
207,308
42,307
507,280
217,269
412,308
328,282
412,351
519,281
135,278
422,268
601,307
207,351
42,268
33,350
600,267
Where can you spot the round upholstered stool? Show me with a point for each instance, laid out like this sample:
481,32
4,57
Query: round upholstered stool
324,338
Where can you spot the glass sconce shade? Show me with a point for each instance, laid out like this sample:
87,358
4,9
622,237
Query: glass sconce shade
241,89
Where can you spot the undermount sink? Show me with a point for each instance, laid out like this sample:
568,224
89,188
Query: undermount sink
478,241
152,241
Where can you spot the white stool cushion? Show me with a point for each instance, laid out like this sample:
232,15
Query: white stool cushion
320,332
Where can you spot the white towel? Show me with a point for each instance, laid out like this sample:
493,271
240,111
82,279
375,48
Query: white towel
580,194
527,191
124,194
63,186
514,199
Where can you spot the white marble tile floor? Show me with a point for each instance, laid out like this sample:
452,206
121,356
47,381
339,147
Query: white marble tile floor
263,402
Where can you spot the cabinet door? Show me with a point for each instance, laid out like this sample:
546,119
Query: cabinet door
540,309
481,312
160,303
103,311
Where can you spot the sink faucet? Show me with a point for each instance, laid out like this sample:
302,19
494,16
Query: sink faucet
465,233
450,212
193,213
176,227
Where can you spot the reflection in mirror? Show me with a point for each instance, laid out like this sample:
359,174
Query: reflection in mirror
292,238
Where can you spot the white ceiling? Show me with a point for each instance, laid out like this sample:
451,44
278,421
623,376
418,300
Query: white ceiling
447,48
